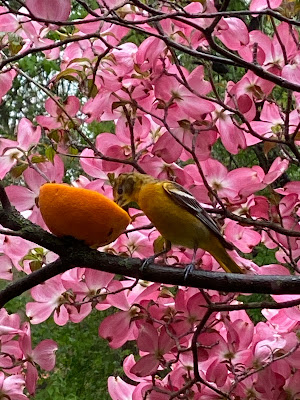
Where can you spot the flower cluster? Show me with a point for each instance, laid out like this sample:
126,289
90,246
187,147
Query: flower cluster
232,142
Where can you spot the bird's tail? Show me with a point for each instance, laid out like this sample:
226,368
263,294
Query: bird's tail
224,259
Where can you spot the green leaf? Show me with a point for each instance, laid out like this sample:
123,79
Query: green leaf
159,244
67,73
93,90
39,250
15,47
38,159
117,104
50,153
73,150
18,170
54,135
35,265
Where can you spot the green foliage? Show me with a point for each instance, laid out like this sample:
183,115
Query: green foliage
261,256
294,172
255,314
245,158
84,361
99,127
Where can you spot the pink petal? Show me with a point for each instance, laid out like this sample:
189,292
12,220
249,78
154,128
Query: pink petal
232,138
197,82
38,312
28,134
56,10
61,315
13,385
48,122
72,105
8,22
167,148
128,363
258,5
48,291
147,365
6,80
165,342
217,373
165,87
6,164
116,328
118,389
96,280
5,267
31,378
21,197
235,35
291,72
91,165
148,338
204,143
270,113
277,168
44,354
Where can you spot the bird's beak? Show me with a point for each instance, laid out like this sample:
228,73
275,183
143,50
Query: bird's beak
122,203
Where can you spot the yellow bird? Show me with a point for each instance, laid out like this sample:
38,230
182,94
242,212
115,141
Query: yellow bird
176,214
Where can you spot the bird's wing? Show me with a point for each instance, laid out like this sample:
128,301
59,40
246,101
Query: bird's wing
186,200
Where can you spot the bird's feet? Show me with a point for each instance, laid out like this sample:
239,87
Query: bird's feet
187,270
150,260
147,262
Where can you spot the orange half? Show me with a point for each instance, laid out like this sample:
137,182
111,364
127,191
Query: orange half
84,214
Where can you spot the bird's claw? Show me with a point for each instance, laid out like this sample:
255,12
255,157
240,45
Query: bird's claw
146,263
187,270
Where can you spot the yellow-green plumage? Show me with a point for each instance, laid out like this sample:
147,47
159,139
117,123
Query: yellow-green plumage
176,215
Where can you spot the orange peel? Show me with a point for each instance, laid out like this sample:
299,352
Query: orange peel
84,214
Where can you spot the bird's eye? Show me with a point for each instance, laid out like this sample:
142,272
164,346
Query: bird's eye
120,190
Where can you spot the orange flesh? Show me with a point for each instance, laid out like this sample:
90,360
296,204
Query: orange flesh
84,214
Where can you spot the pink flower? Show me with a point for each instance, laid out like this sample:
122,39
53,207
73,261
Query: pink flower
258,5
6,81
11,151
271,124
26,198
249,89
118,389
57,10
122,326
233,33
58,118
119,327
181,101
190,307
231,136
87,284
154,343
243,237
8,22
43,355
5,267
136,244
12,387
49,297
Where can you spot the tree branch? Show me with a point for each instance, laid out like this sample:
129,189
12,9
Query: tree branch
74,253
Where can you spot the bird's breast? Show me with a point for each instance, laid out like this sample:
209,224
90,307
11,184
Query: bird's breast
173,222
